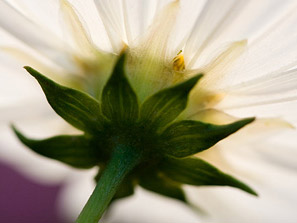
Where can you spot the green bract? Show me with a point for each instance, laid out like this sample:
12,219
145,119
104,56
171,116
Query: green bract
133,144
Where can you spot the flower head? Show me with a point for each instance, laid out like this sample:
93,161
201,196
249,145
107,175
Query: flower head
148,99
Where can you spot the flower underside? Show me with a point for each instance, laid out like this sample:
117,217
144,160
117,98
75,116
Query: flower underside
133,143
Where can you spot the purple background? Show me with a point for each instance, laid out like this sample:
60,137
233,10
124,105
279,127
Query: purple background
25,201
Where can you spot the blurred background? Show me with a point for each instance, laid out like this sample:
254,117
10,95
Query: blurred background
24,200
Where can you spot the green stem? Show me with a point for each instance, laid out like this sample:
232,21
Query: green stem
123,160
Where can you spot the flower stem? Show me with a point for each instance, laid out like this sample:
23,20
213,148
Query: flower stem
123,160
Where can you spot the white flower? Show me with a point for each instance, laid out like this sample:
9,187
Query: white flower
246,49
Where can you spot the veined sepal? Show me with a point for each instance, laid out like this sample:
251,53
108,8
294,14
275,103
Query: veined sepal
159,183
76,107
195,171
188,137
74,150
163,107
119,101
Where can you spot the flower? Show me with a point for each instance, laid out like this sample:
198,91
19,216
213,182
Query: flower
241,78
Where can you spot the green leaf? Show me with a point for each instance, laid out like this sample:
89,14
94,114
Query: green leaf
160,184
75,151
119,102
164,106
189,137
195,171
75,107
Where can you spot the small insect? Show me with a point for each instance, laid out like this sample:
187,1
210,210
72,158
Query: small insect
179,62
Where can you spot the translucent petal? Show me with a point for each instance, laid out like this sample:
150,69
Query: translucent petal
137,16
207,93
254,17
260,71
156,208
11,97
268,166
218,68
149,62
248,21
214,18
31,60
31,34
77,31
280,151
274,184
273,52
92,24
243,106
259,130
185,21
271,90
111,15
268,84
44,14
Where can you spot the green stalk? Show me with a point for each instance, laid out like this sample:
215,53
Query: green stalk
124,159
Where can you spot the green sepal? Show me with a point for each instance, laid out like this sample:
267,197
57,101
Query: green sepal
164,106
185,138
119,101
126,189
75,107
160,184
75,151
195,171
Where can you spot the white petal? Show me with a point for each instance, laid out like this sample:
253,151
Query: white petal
137,16
150,61
254,106
87,56
281,151
77,30
268,92
150,207
43,66
268,84
185,20
253,18
262,129
274,185
270,168
218,68
272,53
85,15
22,89
214,18
207,92
31,34
44,14
80,185
110,12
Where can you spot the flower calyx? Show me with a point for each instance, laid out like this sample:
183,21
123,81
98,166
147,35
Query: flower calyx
133,143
